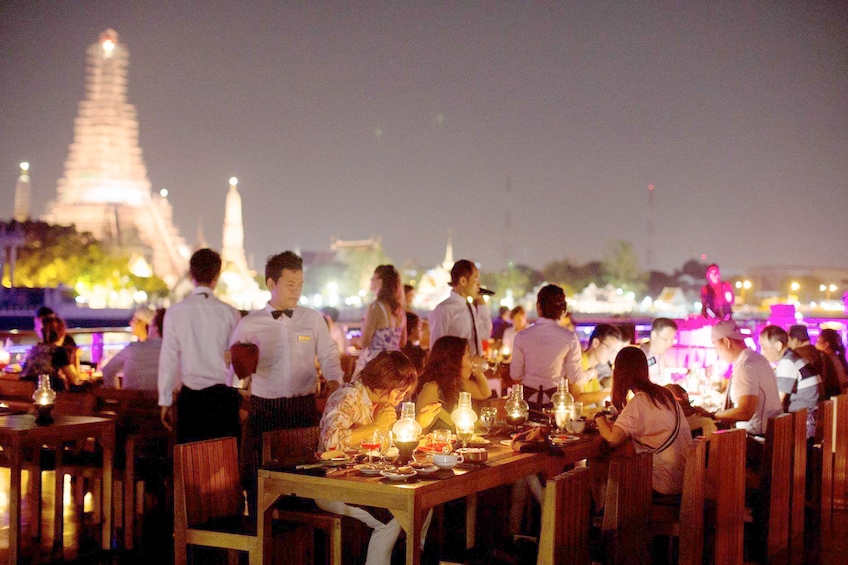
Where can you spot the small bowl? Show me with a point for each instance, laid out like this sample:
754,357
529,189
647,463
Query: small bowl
577,426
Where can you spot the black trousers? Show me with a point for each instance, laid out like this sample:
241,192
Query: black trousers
208,413
267,415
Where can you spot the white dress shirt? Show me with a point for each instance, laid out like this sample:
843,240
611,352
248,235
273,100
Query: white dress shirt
452,317
196,334
138,362
543,353
287,350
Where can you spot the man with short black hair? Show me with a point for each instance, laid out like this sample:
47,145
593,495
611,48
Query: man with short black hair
464,313
194,349
663,332
546,351
798,382
289,338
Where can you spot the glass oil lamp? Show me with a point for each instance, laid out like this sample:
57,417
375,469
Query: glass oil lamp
562,402
44,399
464,418
406,431
516,407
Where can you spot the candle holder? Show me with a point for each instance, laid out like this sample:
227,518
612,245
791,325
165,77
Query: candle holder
44,398
516,407
406,430
464,418
405,450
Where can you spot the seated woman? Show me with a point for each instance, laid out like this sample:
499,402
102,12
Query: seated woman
355,412
651,419
50,357
448,371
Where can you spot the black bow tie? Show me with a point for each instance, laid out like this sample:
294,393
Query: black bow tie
278,313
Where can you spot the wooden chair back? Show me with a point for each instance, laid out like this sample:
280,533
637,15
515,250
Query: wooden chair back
287,448
13,389
798,487
74,404
627,510
691,533
840,451
208,499
726,485
564,537
776,485
821,497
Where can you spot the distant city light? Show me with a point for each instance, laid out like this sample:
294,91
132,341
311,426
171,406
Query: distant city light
703,256
163,193
650,187
24,166
108,47
233,181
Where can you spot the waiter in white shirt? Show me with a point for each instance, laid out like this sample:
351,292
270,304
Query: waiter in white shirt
289,338
546,351
464,313
196,334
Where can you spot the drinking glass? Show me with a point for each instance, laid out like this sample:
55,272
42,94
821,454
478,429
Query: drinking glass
488,416
576,410
442,441
371,443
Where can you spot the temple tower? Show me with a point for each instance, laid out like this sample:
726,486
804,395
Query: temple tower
105,189
23,195
233,244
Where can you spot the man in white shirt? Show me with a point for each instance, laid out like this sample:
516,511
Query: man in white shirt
289,338
196,335
663,332
546,351
752,396
464,313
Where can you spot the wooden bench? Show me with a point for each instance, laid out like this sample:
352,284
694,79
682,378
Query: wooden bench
564,536
627,510
726,487
686,522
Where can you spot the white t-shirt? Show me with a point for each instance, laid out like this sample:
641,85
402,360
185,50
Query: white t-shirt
753,376
652,426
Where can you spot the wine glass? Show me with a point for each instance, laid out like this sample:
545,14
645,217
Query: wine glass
441,441
388,451
576,410
374,441
488,417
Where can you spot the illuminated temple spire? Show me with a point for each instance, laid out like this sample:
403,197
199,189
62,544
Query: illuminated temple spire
233,248
23,195
105,189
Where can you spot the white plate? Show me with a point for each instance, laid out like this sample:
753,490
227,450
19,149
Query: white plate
367,469
427,470
396,477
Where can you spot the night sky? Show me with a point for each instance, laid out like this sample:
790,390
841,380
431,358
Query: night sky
406,119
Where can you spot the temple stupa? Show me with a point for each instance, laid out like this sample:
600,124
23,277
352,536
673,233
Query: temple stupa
105,189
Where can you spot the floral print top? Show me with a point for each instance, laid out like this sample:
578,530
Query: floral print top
346,409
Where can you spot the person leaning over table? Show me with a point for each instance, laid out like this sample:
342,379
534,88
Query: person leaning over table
604,344
353,413
651,420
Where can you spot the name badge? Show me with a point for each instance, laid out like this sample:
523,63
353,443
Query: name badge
304,338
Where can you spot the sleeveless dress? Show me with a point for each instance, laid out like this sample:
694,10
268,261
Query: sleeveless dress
384,339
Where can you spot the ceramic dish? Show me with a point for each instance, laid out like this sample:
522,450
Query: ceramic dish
560,439
427,470
392,476
367,469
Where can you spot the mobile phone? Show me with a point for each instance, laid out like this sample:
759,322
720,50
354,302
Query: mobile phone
652,361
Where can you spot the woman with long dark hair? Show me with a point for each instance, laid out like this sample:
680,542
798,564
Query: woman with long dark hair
384,328
650,419
831,345
448,371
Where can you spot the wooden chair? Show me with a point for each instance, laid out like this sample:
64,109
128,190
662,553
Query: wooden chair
726,487
145,449
686,522
208,500
797,503
772,489
564,537
821,495
287,448
627,510
840,451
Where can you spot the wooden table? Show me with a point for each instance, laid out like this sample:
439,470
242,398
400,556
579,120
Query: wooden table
19,434
410,501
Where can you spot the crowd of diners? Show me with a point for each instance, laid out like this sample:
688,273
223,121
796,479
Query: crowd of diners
186,354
